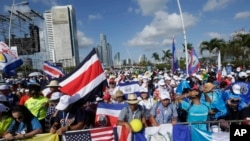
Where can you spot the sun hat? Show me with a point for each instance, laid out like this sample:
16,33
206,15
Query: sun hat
4,87
3,98
164,95
132,99
118,93
66,100
208,87
3,108
236,89
144,89
53,83
55,96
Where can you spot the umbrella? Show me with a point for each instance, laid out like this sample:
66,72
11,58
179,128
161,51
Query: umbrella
35,74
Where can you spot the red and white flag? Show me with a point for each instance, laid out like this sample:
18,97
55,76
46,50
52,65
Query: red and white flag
52,70
86,80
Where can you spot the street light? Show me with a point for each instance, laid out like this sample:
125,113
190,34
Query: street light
12,8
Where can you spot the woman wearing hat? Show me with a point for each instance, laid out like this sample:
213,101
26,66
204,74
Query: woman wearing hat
119,97
146,102
53,87
5,119
130,112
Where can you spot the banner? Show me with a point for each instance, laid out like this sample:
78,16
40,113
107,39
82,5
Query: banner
9,61
44,137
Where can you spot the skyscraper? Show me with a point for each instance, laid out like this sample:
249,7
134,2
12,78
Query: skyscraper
61,31
104,52
117,60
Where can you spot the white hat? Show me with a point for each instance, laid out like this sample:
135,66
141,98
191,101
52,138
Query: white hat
144,89
168,78
66,100
144,77
3,108
247,71
161,82
4,87
242,74
2,98
236,89
164,95
55,96
53,83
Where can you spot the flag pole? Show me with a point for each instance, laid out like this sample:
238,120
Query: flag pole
185,38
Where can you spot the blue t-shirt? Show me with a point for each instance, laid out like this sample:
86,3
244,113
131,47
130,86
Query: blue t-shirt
22,128
196,113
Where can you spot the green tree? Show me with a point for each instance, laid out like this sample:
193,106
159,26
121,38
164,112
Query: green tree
155,56
189,47
214,44
167,55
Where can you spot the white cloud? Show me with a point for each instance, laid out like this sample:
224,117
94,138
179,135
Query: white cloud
215,4
79,22
149,7
216,35
163,25
242,15
83,41
95,17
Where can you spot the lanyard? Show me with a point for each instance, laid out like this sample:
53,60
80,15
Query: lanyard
65,119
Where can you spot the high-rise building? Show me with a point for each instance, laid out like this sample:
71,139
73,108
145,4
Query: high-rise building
117,60
104,52
142,58
61,31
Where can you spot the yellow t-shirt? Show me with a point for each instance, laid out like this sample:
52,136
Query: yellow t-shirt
5,123
37,106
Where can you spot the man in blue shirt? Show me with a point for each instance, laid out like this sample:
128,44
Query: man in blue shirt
163,111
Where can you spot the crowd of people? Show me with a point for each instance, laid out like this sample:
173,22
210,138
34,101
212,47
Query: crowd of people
155,98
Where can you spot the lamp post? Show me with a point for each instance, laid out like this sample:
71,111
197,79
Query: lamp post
12,8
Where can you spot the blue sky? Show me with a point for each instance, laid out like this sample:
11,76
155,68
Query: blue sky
135,27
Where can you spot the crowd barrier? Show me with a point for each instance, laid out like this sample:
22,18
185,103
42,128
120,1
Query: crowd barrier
53,137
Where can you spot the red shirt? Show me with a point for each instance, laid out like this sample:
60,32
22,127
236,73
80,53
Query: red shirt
23,99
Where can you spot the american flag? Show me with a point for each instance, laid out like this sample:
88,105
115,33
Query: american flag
95,134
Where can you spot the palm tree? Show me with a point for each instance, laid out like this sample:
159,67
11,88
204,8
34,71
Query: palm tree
166,55
156,57
214,44
189,47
